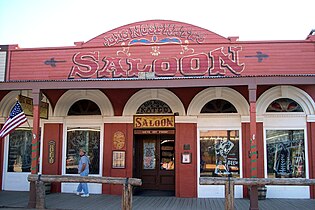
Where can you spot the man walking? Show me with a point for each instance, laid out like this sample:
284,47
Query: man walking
83,170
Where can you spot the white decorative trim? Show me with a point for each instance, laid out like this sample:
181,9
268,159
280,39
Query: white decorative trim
284,115
310,118
245,119
259,118
53,119
118,119
92,119
220,123
288,123
144,95
71,96
212,93
294,93
186,119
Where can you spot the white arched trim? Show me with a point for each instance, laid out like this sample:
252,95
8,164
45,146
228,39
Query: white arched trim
144,95
71,96
294,93
8,101
209,94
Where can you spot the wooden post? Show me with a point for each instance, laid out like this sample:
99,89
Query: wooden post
40,195
35,144
253,202
127,196
253,154
229,195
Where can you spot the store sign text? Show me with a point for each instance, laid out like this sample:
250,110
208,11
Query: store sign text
154,122
215,63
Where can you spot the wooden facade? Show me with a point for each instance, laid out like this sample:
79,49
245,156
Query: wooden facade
184,67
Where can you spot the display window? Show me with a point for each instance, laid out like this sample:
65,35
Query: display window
285,153
219,153
20,150
83,138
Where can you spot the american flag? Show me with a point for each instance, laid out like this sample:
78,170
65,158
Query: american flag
16,118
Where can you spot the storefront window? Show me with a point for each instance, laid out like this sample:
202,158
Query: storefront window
20,150
85,138
219,153
285,153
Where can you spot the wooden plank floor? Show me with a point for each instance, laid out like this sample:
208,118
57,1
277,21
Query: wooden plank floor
19,200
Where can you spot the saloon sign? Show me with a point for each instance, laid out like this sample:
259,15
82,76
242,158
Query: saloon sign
161,49
212,63
158,121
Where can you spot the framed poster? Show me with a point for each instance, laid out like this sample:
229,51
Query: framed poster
186,158
119,159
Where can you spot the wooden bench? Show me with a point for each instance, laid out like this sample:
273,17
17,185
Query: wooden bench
229,183
40,181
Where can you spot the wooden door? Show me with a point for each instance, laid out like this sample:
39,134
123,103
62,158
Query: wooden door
154,158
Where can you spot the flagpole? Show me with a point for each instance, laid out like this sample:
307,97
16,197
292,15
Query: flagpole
33,134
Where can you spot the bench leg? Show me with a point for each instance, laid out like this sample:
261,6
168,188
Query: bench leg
253,204
40,195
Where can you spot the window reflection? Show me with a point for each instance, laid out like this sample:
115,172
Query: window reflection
88,139
285,153
219,153
284,105
167,154
20,150
149,154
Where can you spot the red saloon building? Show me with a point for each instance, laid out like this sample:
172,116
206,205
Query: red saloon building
164,101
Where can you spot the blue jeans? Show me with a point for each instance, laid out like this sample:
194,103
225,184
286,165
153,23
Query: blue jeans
83,186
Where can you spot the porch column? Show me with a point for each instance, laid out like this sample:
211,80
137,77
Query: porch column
253,154
35,144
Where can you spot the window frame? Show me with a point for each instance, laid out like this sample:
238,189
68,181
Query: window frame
83,129
239,147
305,147
78,121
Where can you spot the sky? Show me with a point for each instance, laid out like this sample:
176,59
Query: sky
55,23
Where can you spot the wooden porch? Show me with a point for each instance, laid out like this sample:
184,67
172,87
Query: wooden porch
13,199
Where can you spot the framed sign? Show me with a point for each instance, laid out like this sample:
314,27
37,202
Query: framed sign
51,151
119,159
186,158
153,121
27,105
119,140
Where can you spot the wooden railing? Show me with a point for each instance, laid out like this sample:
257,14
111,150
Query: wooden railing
127,183
230,182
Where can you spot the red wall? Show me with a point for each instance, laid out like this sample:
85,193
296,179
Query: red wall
53,132
109,130
186,174
246,150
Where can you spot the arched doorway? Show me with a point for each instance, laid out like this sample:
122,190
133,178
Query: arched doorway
154,145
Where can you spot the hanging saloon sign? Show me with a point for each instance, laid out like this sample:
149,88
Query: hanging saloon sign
27,105
153,121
